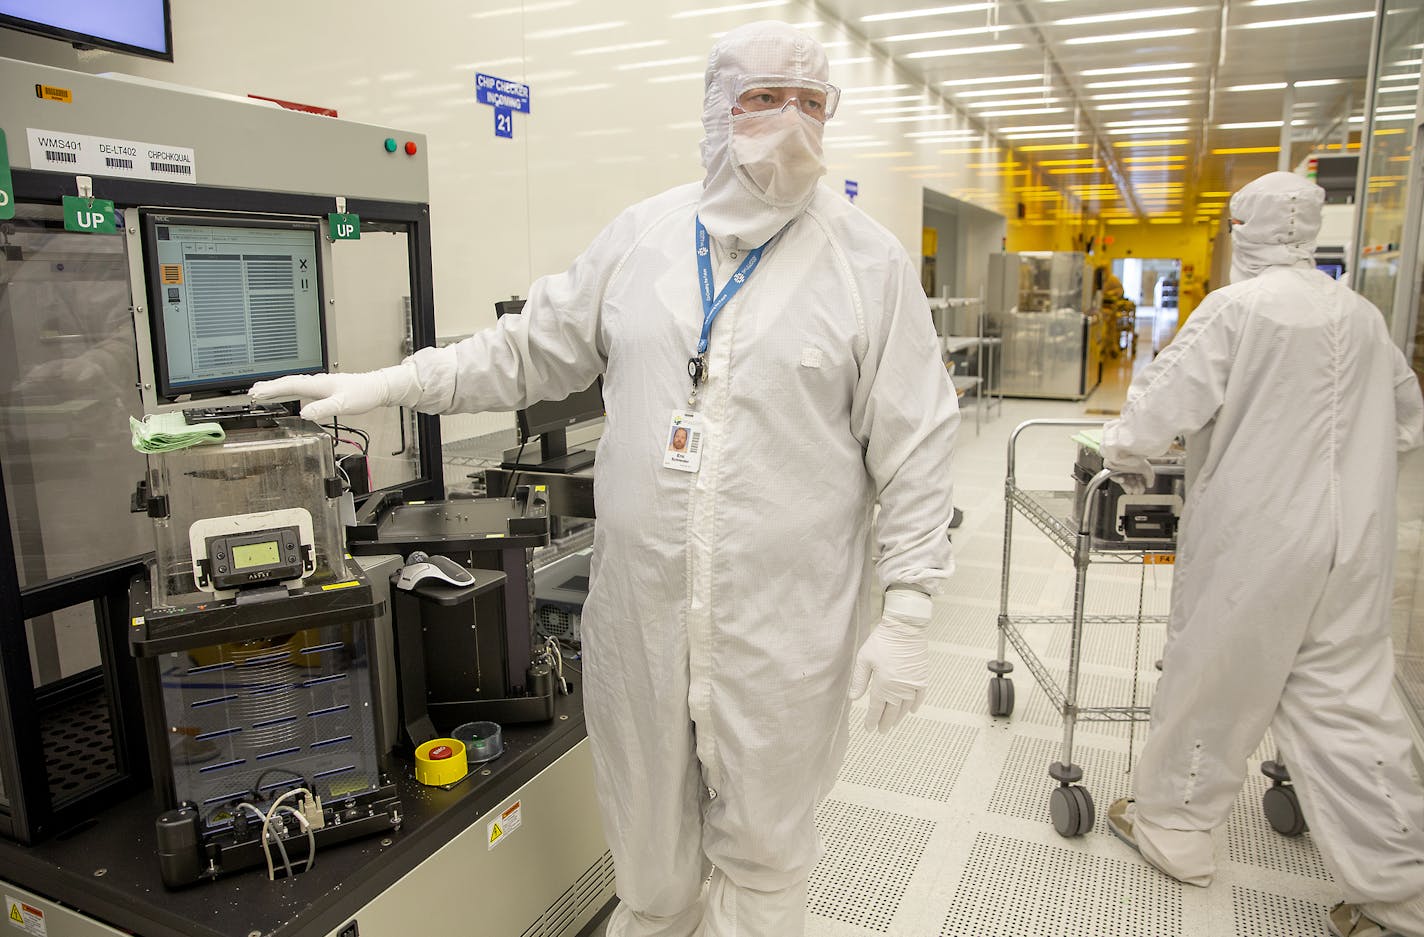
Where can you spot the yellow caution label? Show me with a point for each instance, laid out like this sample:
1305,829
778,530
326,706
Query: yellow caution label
138,622
15,914
341,585
171,274
1159,559
495,834
26,916
51,93
503,826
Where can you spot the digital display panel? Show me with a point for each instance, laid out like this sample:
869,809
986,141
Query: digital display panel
138,26
249,555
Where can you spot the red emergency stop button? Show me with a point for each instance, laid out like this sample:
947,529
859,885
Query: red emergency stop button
410,147
441,752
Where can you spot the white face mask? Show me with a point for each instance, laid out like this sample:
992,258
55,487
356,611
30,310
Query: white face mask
777,154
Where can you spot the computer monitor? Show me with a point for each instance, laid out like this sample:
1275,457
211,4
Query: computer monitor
235,300
139,27
550,419
1333,268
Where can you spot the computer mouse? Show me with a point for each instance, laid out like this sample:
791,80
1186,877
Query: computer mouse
421,567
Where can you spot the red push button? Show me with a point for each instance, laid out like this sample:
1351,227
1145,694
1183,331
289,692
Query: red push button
410,147
441,752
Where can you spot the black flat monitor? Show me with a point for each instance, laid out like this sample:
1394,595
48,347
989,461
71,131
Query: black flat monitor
1335,269
550,419
236,299
138,27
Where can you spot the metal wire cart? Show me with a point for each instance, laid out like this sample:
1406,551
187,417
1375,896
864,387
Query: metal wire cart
1097,523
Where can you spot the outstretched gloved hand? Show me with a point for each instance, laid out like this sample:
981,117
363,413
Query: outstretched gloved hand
333,394
894,662
1133,473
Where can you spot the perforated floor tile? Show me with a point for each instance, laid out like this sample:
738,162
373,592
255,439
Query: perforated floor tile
1094,689
870,858
921,758
1013,888
1111,645
1262,914
1024,786
1251,840
959,682
965,625
983,582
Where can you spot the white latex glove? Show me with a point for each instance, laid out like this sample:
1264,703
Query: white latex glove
1133,473
894,662
351,394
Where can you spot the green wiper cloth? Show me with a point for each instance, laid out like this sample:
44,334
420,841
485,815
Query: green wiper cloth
168,432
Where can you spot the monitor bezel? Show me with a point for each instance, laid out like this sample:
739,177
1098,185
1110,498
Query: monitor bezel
91,41
529,428
150,221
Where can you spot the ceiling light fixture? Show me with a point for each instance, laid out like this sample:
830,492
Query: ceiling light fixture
1135,143
1130,37
997,79
1141,105
1310,20
1126,15
1053,147
1135,69
1244,150
931,11
1139,82
1319,82
1015,102
947,33
1127,95
1264,86
734,8
967,50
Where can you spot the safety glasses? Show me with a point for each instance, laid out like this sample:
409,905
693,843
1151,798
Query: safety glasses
817,99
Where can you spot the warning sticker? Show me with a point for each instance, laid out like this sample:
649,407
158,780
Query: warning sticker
506,823
171,274
26,917
1159,559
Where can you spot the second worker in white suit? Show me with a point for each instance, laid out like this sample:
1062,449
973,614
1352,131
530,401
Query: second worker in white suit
1294,402
721,624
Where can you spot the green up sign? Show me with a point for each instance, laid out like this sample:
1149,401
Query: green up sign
7,188
88,215
344,226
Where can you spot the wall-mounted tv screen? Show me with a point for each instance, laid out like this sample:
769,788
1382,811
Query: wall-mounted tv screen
139,27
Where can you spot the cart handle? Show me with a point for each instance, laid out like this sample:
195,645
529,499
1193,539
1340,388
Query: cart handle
1014,437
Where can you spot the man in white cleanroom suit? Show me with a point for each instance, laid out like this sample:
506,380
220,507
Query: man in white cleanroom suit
1294,402
720,628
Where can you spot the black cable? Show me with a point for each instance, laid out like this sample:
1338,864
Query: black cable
365,436
509,483
257,785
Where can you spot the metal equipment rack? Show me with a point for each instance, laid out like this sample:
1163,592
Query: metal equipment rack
1071,805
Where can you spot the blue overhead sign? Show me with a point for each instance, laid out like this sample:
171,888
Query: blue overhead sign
506,97
852,189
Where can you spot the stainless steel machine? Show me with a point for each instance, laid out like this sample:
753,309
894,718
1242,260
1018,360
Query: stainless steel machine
1040,305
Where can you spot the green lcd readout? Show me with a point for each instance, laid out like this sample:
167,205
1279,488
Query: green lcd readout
249,555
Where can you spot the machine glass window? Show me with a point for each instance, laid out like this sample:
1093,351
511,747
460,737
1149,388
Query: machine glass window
67,388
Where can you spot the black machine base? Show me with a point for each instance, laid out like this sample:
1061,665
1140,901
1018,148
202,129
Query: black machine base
188,853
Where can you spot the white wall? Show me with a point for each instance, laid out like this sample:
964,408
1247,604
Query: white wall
606,127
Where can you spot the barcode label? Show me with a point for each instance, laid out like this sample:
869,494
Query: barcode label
59,156
175,168
115,163
694,444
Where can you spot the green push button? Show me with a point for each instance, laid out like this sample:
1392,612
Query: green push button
390,144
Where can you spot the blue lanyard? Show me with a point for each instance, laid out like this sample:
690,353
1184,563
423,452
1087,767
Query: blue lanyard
711,306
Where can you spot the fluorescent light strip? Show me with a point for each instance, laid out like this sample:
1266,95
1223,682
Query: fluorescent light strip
1135,69
1310,20
734,8
1393,88
872,88
1403,76
1142,105
1319,82
902,110
1138,82
1015,102
1023,111
1265,86
990,92
967,50
914,117
894,99
1126,15
931,11
658,63
1148,122
575,30
1129,95
1041,135
1133,143
623,47
1123,131
997,79
948,33
1129,37
1036,127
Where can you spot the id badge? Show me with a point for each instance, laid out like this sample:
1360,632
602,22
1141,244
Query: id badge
683,446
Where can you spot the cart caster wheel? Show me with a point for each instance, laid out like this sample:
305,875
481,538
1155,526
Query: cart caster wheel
1001,696
1282,809
1071,807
